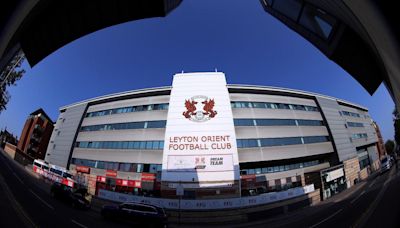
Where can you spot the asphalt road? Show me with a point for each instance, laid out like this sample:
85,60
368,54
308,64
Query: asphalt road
376,204
26,202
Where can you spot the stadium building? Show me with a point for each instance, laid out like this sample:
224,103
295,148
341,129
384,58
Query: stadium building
214,140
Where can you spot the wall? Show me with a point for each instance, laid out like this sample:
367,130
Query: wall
63,135
351,170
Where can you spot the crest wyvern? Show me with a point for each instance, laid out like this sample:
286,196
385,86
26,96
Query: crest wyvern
199,108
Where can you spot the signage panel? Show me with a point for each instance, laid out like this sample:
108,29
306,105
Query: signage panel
200,142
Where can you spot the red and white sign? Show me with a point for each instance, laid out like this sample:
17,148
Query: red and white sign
148,176
101,179
82,169
200,141
111,173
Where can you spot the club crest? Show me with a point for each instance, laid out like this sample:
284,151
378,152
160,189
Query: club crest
199,108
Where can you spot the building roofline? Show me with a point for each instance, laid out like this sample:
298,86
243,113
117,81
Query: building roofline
115,95
163,89
294,91
40,110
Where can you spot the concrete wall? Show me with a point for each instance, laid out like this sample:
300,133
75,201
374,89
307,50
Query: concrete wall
62,138
340,134
10,150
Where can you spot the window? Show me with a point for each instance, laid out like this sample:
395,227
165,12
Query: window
352,114
280,141
354,124
299,107
359,136
128,110
126,167
310,122
267,142
289,8
153,168
275,122
258,105
243,122
317,21
156,124
315,139
144,145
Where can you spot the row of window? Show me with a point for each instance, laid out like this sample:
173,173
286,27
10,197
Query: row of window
119,166
267,142
241,143
352,114
234,104
359,136
138,108
354,124
277,122
268,105
137,145
154,168
279,168
123,126
237,122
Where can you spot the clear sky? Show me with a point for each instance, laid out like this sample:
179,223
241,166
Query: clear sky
236,37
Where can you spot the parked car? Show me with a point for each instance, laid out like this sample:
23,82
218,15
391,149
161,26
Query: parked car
386,164
136,213
75,197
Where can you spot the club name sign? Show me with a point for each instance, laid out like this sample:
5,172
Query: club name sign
200,142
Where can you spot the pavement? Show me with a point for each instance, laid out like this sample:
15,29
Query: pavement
26,202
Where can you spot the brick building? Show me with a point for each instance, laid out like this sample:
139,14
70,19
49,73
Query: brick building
36,134
381,143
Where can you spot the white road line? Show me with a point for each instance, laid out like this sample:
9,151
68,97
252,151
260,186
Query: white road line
78,224
354,200
387,181
44,202
372,184
19,179
331,216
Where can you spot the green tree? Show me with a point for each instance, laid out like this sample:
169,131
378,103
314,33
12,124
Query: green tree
9,76
389,146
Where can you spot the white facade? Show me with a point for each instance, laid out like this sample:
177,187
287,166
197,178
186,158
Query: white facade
280,133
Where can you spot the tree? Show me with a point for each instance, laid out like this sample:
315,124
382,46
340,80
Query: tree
389,146
9,76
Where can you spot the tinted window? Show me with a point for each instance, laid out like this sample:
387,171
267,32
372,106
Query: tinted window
289,8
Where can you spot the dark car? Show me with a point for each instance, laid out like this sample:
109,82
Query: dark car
75,197
136,213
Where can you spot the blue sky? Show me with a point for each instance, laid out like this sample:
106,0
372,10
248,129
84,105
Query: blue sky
236,37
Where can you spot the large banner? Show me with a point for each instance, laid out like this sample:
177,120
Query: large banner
230,203
200,143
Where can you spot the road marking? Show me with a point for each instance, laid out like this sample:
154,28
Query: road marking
15,205
44,202
331,216
371,208
354,200
372,184
387,181
19,179
78,224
